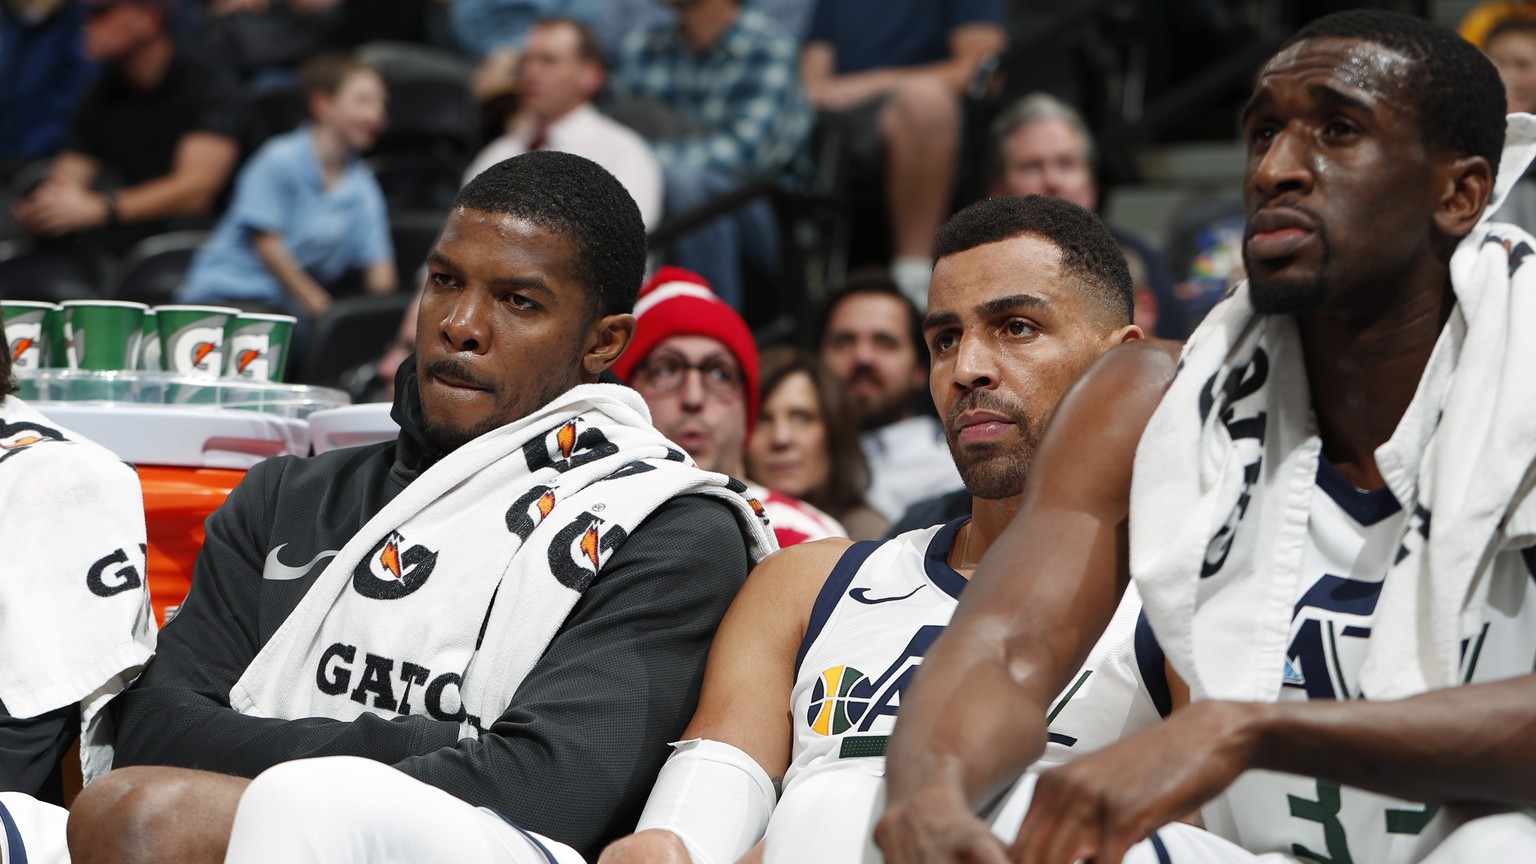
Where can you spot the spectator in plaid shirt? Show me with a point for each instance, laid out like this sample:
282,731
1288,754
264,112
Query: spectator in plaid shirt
728,75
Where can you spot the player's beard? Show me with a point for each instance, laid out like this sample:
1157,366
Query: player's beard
994,471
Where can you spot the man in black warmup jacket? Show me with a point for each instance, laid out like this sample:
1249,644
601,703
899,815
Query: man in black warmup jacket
529,294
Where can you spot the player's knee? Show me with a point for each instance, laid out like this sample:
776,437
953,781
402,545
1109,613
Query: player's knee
121,818
293,794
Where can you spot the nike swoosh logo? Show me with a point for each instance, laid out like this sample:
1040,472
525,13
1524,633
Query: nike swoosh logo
862,595
277,571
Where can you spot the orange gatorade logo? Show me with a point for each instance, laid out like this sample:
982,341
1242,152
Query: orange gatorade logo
245,358
393,569
20,346
200,352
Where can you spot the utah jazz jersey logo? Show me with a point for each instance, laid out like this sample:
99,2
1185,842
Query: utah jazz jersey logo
1329,629
845,699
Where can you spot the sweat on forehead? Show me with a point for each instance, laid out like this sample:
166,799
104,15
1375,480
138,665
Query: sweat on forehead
1453,90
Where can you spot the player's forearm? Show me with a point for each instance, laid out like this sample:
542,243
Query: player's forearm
181,728
966,726
1473,743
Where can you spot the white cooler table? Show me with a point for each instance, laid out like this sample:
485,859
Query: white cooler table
352,426
191,440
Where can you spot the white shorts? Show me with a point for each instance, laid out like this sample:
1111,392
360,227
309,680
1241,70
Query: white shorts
346,810
31,831
829,814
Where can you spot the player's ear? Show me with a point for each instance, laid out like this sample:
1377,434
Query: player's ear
606,340
1466,188
1128,333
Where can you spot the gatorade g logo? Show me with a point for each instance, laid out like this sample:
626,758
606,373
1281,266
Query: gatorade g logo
123,576
200,353
195,347
251,354
392,570
530,510
19,347
570,445
580,548
243,361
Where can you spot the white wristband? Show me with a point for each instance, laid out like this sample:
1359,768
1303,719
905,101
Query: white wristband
714,797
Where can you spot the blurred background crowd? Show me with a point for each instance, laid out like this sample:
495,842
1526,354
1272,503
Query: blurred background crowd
298,156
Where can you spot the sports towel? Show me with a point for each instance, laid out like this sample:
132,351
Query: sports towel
1227,466
75,624
476,564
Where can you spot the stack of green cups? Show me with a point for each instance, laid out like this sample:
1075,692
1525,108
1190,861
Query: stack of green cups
26,332
256,346
192,338
102,335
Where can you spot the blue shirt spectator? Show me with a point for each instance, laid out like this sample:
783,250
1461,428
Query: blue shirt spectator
305,211
281,191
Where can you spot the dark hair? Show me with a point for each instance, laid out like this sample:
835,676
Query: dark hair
587,46
1089,254
576,199
847,472
325,73
1455,90
874,280
7,378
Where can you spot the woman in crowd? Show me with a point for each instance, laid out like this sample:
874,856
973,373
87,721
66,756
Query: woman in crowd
806,443
306,211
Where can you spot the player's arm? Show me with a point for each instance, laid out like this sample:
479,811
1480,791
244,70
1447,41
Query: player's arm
745,702
975,718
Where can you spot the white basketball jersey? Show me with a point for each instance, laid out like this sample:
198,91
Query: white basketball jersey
1352,538
881,608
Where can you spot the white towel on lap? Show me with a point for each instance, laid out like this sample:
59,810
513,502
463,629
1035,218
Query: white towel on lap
473,568
1227,465
75,624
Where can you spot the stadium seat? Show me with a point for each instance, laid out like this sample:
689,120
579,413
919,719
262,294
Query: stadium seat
275,111
41,276
413,234
155,266
353,331
417,181
431,107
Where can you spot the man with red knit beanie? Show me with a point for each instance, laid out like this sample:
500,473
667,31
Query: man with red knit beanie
681,326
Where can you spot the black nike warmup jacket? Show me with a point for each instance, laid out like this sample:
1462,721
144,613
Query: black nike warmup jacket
573,757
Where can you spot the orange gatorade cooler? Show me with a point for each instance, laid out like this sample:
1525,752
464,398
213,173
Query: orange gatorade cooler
189,454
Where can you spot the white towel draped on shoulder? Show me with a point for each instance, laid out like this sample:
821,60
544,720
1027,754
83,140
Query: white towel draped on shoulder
1227,465
75,623
473,568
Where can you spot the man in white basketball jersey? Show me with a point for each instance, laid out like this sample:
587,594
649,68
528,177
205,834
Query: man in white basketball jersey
1026,293
1330,525
808,667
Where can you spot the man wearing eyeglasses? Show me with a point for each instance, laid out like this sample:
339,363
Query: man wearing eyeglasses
682,326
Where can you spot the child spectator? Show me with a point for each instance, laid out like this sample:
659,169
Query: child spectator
306,211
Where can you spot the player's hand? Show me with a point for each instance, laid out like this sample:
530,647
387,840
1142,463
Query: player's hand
1099,806
653,846
936,826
